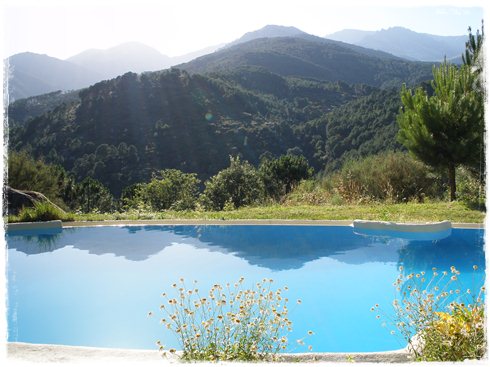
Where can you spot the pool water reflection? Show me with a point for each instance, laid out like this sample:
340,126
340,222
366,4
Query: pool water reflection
94,286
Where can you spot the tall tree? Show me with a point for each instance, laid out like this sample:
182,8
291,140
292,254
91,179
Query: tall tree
473,55
474,58
445,129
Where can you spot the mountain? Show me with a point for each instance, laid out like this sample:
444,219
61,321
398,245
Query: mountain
324,99
175,60
353,36
269,31
316,58
32,74
121,130
405,43
127,57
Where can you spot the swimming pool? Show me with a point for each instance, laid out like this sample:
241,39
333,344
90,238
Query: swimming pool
94,286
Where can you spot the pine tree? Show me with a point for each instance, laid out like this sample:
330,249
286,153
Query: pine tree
445,129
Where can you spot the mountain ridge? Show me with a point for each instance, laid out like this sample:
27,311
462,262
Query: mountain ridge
126,57
268,31
83,69
405,43
313,57
30,74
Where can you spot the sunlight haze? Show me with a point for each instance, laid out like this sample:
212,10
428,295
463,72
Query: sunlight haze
64,28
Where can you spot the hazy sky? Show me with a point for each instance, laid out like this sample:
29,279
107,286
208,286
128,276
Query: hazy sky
62,28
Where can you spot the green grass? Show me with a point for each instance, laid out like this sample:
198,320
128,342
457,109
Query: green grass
41,212
410,212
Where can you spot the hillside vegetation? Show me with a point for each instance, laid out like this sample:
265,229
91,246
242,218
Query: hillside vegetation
241,127
314,57
122,130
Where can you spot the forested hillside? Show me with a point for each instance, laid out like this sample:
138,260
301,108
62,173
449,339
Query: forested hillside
23,110
122,130
302,95
314,57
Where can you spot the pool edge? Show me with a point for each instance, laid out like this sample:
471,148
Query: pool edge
42,353
209,222
305,222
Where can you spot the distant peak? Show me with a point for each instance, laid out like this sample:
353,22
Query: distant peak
398,29
31,55
270,27
269,31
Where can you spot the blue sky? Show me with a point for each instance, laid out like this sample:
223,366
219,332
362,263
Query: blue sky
62,28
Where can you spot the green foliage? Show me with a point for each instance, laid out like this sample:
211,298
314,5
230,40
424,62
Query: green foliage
361,127
439,317
23,110
392,176
311,192
473,55
445,129
239,185
132,198
171,189
113,166
92,196
26,173
227,323
470,190
457,335
314,58
42,211
281,175
121,130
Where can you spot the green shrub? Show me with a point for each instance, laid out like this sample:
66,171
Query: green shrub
132,198
92,196
309,192
439,318
239,184
281,175
227,323
392,176
26,173
41,212
171,189
469,189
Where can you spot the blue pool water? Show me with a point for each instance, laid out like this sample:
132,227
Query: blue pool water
94,286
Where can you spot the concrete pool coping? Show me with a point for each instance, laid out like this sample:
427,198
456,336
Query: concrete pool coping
296,222
51,353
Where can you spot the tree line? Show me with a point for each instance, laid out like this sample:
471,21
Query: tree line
238,185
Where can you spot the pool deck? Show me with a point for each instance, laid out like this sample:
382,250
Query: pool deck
47,353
